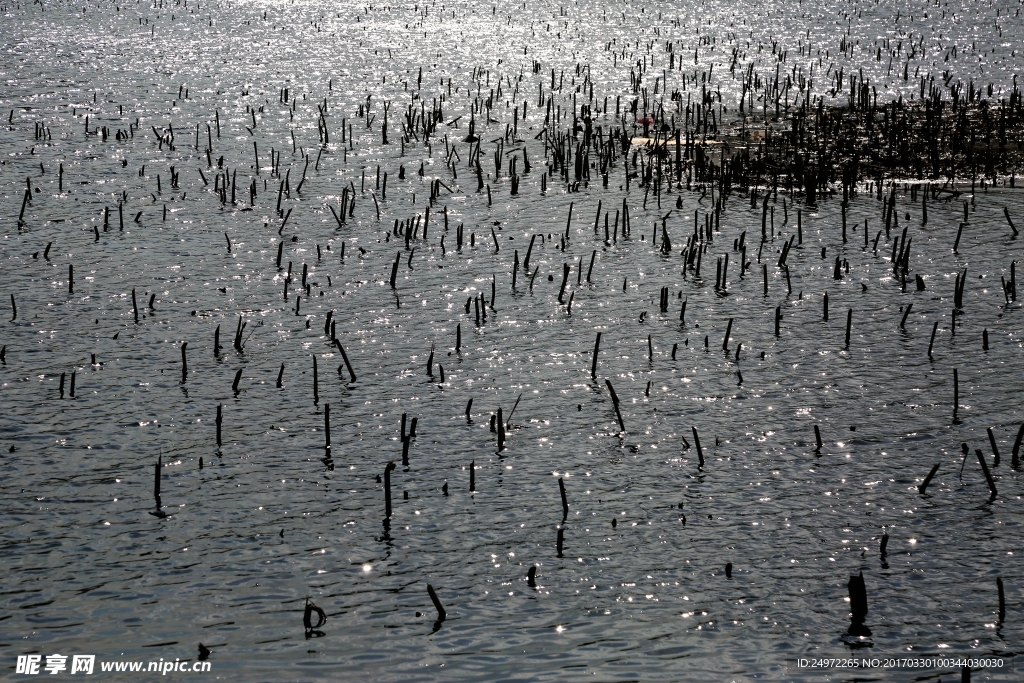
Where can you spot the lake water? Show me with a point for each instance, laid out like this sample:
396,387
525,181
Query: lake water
238,546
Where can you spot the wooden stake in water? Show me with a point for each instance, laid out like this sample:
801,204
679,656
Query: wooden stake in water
441,614
344,357
387,489
615,404
327,428
593,363
1015,454
988,474
927,480
184,363
565,503
995,449
700,451
219,420
956,391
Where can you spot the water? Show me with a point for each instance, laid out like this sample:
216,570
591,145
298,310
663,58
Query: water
269,521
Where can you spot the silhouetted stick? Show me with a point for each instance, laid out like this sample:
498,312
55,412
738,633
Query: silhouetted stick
849,322
906,312
500,424
238,377
135,305
184,363
565,503
219,420
156,478
615,404
817,438
441,614
509,420
927,480
988,475
935,328
280,376
62,384
700,451
858,599
956,391
1015,462
882,546
995,449
14,309
1006,212
344,357
472,476
1002,599
71,278
387,489
469,407
327,428
593,363
728,331
561,538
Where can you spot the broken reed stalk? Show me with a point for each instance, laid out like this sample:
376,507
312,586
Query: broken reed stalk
927,480
512,412
135,306
565,502
931,342
472,476
849,322
593,363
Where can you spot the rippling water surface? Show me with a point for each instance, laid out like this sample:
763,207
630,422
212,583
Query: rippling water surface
269,521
